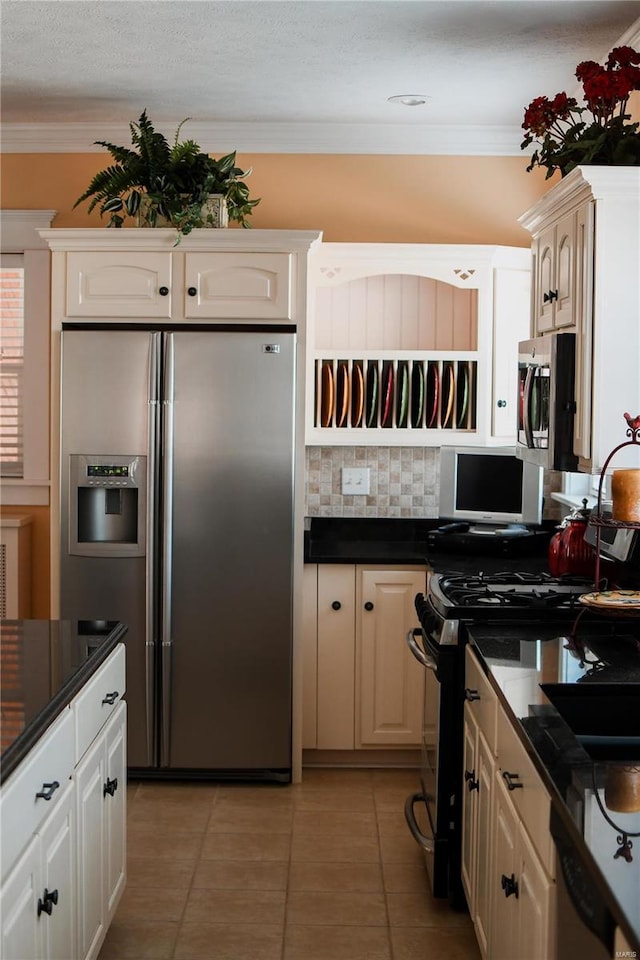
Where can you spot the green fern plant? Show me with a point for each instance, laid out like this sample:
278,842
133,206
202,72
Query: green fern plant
175,180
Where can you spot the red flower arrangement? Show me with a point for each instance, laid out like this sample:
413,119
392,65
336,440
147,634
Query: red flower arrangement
565,133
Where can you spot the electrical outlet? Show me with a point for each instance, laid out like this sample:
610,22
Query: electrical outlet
355,480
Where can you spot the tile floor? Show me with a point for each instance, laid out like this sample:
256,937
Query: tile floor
322,870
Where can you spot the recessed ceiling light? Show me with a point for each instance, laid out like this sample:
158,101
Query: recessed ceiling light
409,99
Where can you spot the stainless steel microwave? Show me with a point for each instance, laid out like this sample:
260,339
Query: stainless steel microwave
546,401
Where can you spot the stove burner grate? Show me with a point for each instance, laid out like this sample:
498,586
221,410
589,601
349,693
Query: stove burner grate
535,590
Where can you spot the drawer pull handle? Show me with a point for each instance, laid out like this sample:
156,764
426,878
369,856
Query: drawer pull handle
510,885
512,780
50,899
336,605
110,787
470,780
48,790
471,694
111,698
164,291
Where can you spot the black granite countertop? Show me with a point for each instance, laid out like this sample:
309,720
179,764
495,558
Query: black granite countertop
44,665
417,541
579,745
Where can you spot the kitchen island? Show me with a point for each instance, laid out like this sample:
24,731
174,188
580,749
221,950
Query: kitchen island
63,790
571,695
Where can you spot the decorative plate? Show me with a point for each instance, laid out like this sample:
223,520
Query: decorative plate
611,600
327,394
404,394
450,394
388,395
463,393
417,394
372,394
357,392
433,393
342,395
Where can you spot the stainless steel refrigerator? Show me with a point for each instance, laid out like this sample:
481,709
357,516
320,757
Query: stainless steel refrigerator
177,519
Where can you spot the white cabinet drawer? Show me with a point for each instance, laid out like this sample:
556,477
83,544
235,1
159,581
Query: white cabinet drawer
531,799
99,699
481,699
21,810
235,286
126,285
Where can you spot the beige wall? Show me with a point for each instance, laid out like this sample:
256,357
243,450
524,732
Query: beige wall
383,199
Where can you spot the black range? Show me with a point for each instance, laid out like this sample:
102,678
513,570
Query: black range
454,601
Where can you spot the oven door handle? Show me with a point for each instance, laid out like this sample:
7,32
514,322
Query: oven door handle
526,406
418,652
426,843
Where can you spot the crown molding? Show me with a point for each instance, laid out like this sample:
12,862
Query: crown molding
133,239
19,229
330,138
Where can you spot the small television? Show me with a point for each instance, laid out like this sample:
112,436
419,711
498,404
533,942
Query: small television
489,487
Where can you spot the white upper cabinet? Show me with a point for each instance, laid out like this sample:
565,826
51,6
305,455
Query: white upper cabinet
115,284
586,254
238,285
554,277
415,344
219,276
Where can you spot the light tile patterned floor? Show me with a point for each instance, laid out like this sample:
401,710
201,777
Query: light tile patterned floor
322,870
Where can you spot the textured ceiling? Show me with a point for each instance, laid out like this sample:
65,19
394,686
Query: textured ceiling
291,70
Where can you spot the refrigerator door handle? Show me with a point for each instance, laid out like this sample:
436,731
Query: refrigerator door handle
151,632
167,544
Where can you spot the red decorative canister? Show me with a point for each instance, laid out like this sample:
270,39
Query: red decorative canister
569,553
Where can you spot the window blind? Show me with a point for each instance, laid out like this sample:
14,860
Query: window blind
11,371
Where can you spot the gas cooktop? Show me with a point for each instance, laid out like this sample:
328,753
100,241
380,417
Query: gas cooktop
510,594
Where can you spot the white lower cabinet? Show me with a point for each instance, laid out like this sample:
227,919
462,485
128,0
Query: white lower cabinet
64,828
507,850
368,688
38,897
389,680
523,894
100,798
477,798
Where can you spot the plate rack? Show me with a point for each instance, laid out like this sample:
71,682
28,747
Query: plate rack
400,394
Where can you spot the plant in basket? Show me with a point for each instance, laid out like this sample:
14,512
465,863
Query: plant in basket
169,183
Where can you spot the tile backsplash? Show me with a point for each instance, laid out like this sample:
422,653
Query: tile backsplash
404,483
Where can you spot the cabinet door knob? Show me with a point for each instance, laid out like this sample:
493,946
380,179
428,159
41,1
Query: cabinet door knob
512,780
471,694
502,403
48,790
111,698
336,605
470,780
368,605
509,885
192,291
110,787
164,291
553,295
46,904
546,297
